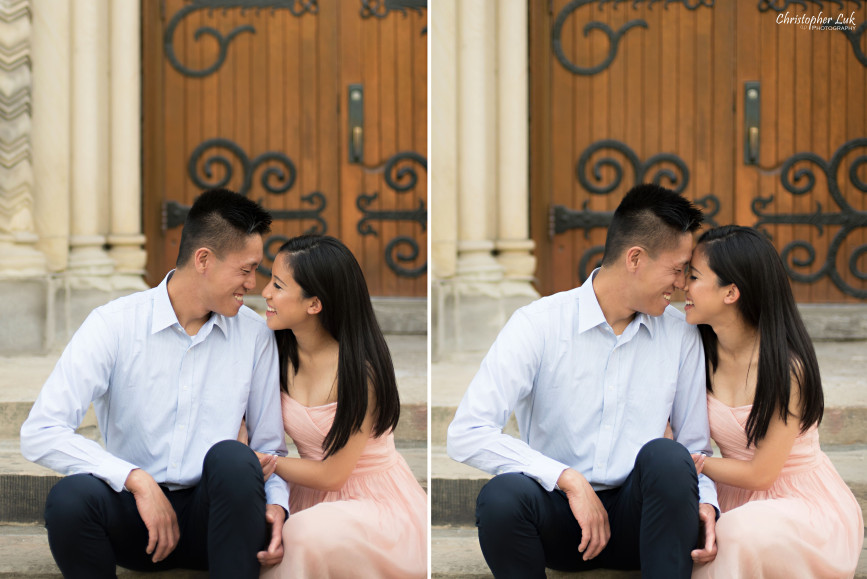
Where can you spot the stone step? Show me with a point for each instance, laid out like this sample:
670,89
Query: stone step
455,554
25,485
843,366
22,377
24,552
455,486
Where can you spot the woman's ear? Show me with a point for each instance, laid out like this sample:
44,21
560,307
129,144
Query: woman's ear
732,295
314,307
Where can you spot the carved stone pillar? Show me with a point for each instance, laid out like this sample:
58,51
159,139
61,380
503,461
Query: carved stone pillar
18,257
513,244
475,180
51,124
126,238
87,255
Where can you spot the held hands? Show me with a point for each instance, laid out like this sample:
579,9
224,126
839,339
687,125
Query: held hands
706,535
698,459
157,513
588,511
268,462
275,515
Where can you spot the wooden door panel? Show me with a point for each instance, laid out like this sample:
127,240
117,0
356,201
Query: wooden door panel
633,104
625,92
254,99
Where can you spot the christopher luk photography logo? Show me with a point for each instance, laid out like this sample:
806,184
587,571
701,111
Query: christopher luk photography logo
819,21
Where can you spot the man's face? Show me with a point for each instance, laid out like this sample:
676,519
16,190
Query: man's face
659,276
228,279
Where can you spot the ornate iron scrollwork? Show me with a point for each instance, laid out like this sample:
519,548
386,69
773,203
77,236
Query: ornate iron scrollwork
296,7
614,36
678,183
381,8
400,179
853,36
563,219
275,181
848,218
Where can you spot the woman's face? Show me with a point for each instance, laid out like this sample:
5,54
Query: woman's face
287,306
704,297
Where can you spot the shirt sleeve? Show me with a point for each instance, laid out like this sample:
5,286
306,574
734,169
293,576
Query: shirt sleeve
507,375
264,414
689,422
82,375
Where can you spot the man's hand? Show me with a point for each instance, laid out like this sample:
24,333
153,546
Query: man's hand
157,513
706,535
268,463
275,515
588,511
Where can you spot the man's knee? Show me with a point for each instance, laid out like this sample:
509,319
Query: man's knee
74,500
232,457
504,497
666,466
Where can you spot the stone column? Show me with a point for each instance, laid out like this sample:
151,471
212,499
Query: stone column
513,236
475,181
51,123
444,141
87,257
18,257
126,238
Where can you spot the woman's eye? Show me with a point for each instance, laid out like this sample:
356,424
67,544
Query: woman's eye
692,277
277,286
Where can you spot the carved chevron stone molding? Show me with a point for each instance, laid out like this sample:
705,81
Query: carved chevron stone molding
16,174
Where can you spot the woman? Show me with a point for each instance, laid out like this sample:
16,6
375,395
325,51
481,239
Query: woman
356,508
786,511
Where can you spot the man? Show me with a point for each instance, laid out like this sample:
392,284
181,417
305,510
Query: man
594,375
171,371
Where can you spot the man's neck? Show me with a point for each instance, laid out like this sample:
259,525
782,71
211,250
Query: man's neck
185,301
611,294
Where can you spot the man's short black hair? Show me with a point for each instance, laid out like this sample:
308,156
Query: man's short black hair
221,220
651,217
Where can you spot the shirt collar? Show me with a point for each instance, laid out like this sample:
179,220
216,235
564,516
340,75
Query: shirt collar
590,312
164,315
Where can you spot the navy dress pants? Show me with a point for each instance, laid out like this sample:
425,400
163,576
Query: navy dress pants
92,528
653,518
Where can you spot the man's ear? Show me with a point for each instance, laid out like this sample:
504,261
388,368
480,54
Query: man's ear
202,258
633,257
315,307
733,294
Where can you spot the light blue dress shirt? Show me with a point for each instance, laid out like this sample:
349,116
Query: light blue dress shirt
162,397
584,397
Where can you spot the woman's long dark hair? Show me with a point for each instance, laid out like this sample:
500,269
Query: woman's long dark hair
746,258
326,269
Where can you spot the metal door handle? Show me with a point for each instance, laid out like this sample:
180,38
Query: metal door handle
356,142
356,123
752,110
754,145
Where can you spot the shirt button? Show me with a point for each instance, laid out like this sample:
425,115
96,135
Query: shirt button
174,465
181,427
606,427
599,465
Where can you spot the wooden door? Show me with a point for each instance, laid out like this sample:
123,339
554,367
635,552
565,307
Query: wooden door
255,97
630,92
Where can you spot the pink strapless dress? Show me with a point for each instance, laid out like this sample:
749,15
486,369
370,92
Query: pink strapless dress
807,525
375,526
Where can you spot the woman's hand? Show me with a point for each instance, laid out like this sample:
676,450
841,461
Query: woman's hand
698,459
268,462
